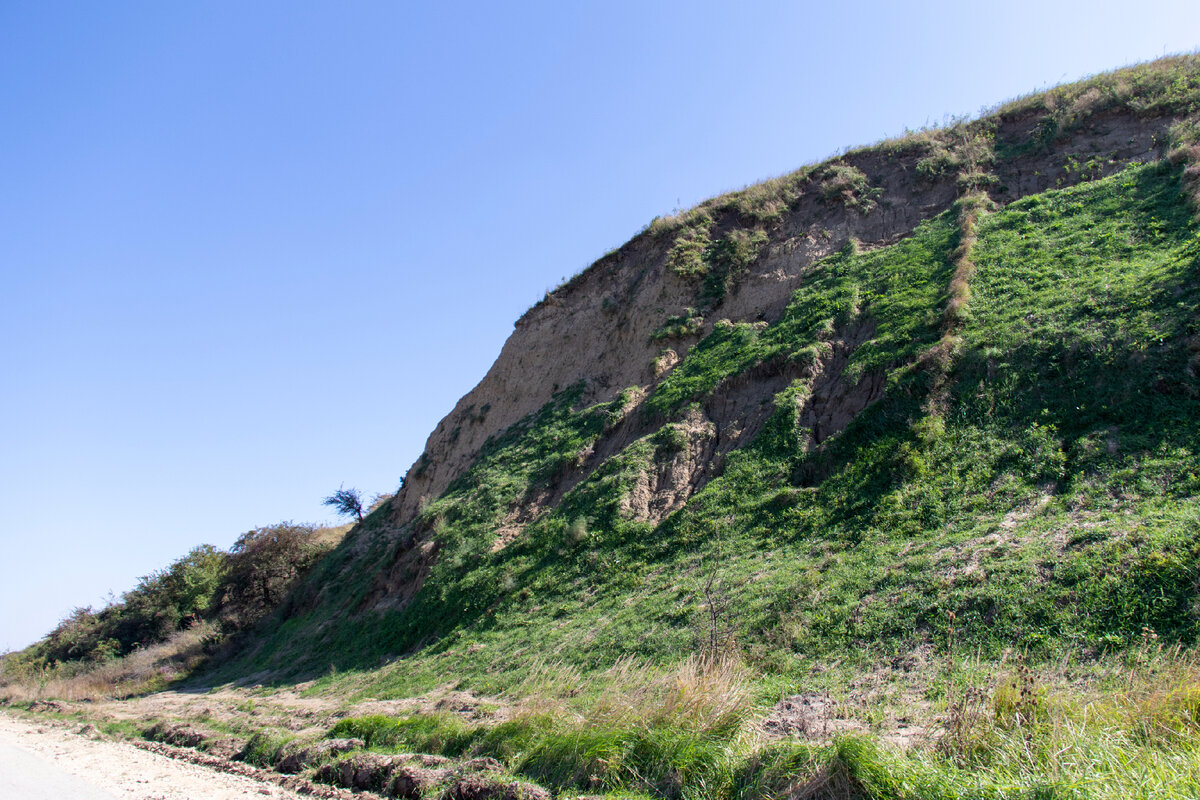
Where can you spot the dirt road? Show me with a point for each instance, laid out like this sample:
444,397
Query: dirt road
40,761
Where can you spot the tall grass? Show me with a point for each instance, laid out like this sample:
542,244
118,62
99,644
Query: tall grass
1129,728
145,670
631,728
960,283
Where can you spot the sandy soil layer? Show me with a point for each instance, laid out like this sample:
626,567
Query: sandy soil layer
125,771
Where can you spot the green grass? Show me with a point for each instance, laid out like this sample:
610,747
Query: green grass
681,326
1018,508
1082,303
671,734
715,265
660,761
1139,737
264,747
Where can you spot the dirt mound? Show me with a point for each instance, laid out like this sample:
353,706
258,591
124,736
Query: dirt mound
480,787
417,776
812,716
178,735
297,757
415,782
53,706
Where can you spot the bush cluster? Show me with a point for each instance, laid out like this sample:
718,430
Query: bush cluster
232,589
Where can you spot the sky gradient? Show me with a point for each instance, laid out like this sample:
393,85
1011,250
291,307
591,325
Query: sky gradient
255,251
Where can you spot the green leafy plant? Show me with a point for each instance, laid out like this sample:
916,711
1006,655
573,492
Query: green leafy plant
849,186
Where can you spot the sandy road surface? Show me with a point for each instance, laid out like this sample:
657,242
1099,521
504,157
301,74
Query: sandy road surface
28,777
40,761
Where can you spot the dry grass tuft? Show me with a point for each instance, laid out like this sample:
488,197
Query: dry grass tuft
145,670
1022,715
848,185
686,257
1165,85
702,695
964,267
1161,704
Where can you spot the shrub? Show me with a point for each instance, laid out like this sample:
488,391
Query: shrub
686,257
161,604
847,185
686,324
75,638
966,148
263,565
727,259
166,601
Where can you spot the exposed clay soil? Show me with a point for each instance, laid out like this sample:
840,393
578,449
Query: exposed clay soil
817,717
598,327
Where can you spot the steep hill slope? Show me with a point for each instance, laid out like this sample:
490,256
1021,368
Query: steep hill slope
877,480
941,386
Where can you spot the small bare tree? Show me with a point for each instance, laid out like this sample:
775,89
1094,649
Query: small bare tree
346,502
716,632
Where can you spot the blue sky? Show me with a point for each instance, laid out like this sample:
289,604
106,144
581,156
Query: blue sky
254,251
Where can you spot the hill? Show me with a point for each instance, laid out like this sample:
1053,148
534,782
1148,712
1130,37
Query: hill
953,372
905,440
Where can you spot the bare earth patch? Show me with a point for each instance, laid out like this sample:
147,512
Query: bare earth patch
126,771
284,709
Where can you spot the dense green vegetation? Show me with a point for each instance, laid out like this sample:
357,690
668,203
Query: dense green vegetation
1030,480
226,591
1064,460
1023,761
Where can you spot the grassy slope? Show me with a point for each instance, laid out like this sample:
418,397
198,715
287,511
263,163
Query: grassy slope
1040,483
1064,461
1028,479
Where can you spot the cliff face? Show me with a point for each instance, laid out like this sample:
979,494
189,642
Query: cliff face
599,328
955,371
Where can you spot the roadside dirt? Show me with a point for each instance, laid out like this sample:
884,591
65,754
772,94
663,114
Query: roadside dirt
284,709
209,732
125,771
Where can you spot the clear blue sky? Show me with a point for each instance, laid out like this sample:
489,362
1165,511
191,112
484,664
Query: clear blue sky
254,251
